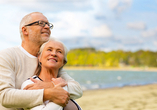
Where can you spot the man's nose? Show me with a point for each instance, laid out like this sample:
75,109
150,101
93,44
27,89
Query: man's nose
47,26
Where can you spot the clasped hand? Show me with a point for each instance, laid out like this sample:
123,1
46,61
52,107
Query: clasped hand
53,93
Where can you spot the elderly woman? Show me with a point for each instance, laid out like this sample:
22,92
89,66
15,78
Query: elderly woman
52,57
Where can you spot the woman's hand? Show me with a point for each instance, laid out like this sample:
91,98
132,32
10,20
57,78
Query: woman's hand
58,81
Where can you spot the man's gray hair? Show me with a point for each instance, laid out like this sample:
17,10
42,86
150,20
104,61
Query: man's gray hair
25,20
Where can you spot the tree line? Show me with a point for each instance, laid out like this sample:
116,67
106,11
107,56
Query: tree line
93,57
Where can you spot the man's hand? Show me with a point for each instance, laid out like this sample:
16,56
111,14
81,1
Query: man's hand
57,95
38,85
53,93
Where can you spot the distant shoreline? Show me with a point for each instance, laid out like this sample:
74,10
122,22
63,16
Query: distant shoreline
111,68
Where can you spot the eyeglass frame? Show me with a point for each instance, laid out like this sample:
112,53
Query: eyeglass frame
51,27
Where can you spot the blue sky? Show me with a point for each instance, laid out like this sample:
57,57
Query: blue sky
106,25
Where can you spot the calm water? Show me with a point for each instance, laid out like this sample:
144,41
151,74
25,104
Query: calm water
100,79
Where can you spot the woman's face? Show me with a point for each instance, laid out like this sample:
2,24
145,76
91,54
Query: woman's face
52,56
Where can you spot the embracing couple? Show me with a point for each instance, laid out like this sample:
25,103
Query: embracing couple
31,75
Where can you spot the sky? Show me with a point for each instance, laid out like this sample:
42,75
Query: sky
105,25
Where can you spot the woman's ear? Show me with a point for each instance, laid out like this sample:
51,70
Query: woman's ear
64,62
38,56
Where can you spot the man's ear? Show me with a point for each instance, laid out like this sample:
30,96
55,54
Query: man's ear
25,31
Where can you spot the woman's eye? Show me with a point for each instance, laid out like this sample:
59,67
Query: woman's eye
49,49
60,51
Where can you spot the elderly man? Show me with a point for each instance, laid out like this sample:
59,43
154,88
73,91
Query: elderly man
19,63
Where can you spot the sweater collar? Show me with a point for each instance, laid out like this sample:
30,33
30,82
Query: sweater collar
28,54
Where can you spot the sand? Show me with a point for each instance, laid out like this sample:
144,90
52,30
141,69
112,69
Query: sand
125,98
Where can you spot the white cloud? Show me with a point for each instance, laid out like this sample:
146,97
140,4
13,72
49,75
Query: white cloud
155,43
102,31
113,4
137,25
10,19
149,33
119,5
70,24
74,24
13,2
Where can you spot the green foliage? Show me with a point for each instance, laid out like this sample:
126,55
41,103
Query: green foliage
92,57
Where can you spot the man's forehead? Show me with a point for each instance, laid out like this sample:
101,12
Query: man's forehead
38,16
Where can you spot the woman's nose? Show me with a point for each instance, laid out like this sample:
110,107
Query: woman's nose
53,53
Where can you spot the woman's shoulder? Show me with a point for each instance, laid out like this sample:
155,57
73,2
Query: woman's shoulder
27,82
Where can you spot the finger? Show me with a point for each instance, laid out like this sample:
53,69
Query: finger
65,104
67,101
69,95
34,80
62,84
53,78
62,80
28,86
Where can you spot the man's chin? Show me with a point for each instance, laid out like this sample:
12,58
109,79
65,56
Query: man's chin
45,38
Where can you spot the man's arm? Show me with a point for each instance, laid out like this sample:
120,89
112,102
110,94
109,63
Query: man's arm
9,96
74,87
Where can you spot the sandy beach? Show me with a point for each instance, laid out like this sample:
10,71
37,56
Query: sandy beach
125,98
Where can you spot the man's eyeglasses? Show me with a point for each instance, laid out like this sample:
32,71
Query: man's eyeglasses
41,23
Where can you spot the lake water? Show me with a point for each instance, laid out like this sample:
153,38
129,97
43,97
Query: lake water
101,79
